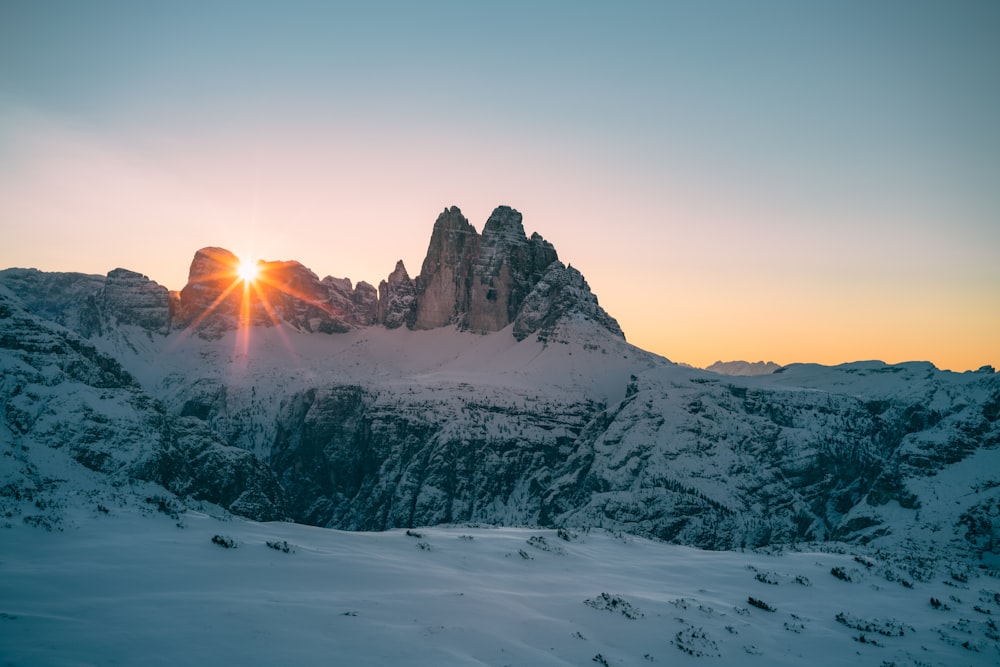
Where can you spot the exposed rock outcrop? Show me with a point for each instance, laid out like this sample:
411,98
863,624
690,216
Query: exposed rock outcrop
132,298
397,302
484,283
216,300
210,299
562,292
68,299
443,283
297,295
507,269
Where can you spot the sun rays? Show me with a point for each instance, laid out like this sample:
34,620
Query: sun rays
247,293
247,270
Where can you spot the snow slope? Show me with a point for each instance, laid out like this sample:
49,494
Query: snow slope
134,586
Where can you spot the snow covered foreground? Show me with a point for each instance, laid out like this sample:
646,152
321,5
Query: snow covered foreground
131,586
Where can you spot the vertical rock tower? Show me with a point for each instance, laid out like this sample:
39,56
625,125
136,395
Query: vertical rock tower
479,282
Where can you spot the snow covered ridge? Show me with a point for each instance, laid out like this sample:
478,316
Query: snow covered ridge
743,367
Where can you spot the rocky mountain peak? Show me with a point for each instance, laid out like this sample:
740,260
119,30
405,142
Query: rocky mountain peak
399,274
215,300
397,299
479,283
442,286
135,299
562,292
505,223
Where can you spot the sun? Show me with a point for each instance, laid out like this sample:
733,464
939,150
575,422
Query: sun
247,270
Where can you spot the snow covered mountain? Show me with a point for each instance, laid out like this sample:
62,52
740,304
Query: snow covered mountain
490,396
743,367
492,389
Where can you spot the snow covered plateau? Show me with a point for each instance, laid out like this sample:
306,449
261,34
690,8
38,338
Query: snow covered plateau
468,467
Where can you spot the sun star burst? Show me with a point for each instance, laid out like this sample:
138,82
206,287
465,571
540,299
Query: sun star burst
247,270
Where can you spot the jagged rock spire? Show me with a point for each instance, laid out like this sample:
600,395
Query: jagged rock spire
397,299
481,283
443,283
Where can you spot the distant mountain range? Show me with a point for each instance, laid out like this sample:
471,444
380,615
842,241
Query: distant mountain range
491,388
743,367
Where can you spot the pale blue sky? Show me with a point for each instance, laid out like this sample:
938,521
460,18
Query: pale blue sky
735,179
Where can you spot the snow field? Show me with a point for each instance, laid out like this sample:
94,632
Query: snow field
134,587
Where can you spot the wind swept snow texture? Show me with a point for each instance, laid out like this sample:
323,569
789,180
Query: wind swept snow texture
131,587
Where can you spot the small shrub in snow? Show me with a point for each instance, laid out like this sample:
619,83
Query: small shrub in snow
423,546
524,554
224,542
613,603
165,506
600,660
39,521
803,580
281,546
413,533
566,535
861,639
841,574
760,604
991,631
766,578
886,628
937,604
467,538
540,543
696,642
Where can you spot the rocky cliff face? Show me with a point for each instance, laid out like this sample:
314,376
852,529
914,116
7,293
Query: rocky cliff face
132,298
215,299
560,294
891,456
397,299
68,299
443,283
64,402
484,283
508,268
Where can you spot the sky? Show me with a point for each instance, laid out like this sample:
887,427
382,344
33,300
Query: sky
787,181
